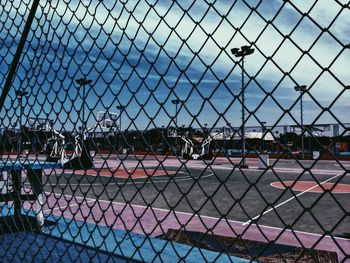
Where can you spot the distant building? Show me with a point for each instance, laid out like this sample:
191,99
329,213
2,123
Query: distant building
40,124
248,135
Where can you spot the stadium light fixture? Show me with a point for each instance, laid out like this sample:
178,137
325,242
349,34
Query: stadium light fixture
242,53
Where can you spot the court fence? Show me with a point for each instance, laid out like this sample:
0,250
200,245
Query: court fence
174,130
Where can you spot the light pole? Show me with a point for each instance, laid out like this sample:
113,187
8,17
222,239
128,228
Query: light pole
20,94
120,108
229,134
302,90
83,82
224,138
241,53
205,127
163,146
176,102
263,129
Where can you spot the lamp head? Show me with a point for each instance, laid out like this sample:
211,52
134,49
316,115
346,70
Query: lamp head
21,93
83,81
248,51
300,88
120,107
245,48
234,51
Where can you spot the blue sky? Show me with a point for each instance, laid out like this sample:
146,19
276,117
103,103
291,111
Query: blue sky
143,54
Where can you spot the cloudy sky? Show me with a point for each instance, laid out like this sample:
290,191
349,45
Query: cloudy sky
143,54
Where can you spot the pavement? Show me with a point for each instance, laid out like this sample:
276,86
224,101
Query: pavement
216,197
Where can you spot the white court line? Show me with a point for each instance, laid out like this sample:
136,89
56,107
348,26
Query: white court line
290,199
277,170
301,170
70,205
88,199
185,178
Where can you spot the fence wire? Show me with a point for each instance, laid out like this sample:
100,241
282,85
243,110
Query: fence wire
174,131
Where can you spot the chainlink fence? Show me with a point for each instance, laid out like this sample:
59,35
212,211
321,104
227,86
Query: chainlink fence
174,131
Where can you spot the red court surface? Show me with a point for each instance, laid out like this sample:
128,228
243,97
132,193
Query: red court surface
313,187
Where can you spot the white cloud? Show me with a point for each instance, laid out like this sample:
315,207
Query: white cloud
182,34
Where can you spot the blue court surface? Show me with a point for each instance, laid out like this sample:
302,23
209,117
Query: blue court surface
32,247
75,241
10,165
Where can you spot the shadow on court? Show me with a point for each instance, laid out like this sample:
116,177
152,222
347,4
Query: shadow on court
34,247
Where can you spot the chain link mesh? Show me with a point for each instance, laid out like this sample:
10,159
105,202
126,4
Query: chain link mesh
174,130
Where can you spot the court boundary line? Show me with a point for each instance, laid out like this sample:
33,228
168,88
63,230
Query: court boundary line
89,199
279,170
289,199
282,187
60,207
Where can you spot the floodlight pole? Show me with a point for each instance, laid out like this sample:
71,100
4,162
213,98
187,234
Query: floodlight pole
242,53
176,102
20,94
163,146
224,138
244,164
82,83
263,129
302,90
229,138
120,108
